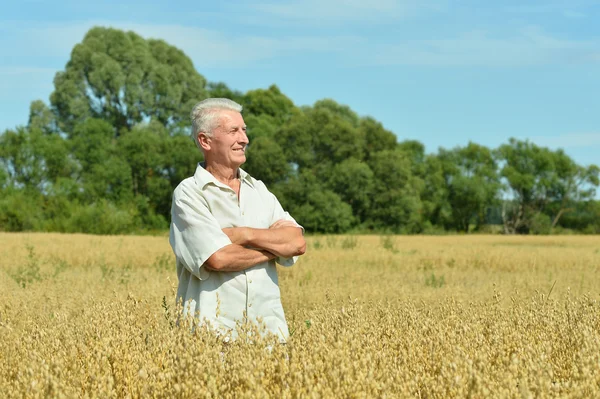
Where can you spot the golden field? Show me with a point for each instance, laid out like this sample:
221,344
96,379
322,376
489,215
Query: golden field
417,316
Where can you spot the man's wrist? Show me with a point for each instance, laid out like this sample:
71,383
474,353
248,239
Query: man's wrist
270,255
249,236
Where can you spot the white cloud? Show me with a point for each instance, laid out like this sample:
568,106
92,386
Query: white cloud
315,12
213,48
15,70
206,47
40,40
574,14
209,48
26,78
531,46
567,8
569,140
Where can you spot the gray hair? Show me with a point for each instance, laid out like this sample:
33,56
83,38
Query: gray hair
204,115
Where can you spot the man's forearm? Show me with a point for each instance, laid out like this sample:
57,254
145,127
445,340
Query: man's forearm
235,257
283,241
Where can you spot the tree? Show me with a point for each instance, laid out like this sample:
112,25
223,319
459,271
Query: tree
396,203
221,90
573,183
472,182
125,79
42,118
437,210
584,217
22,153
377,138
341,111
296,141
181,158
103,172
143,148
334,137
266,161
315,207
271,102
529,174
353,181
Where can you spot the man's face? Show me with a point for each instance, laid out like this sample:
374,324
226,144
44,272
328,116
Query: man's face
229,141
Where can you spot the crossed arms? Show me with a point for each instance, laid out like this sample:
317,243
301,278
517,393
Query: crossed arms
251,246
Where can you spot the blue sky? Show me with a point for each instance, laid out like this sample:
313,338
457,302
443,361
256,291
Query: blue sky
441,72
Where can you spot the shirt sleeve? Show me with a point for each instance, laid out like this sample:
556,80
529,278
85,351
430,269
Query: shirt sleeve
195,234
278,214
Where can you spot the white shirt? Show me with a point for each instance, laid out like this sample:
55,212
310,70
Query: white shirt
202,206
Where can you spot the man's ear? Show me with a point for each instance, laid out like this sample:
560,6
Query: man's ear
204,141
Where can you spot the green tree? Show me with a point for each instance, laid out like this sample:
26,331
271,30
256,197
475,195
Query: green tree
296,141
436,209
573,184
21,209
25,155
314,206
472,182
221,90
266,112
124,79
584,216
396,204
341,111
529,174
143,149
354,182
103,172
335,138
377,138
271,102
42,118
181,158
266,161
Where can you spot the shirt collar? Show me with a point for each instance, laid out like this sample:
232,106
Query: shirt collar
204,177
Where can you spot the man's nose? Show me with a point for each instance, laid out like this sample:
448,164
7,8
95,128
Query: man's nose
243,137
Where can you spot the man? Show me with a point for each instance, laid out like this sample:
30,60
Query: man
228,230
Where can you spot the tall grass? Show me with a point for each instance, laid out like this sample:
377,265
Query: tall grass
430,317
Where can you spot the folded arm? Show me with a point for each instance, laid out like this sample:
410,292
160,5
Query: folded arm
283,238
235,257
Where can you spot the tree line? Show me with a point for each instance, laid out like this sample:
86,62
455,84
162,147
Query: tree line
106,153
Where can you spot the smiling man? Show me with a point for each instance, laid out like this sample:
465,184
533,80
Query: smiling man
228,230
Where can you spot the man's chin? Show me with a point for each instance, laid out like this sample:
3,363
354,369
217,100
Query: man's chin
239,161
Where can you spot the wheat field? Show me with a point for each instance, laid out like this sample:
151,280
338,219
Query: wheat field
370,316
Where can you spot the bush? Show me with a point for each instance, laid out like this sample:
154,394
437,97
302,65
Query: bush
541,224
20,211
103,217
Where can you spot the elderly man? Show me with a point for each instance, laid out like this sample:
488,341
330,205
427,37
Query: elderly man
228,230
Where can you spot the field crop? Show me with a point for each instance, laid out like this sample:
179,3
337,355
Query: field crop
370,316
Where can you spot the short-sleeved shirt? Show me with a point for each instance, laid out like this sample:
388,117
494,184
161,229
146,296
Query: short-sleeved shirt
202,207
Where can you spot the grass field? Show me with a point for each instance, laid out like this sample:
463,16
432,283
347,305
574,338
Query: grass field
434,317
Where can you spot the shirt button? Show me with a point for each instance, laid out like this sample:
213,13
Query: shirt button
249,305
250,281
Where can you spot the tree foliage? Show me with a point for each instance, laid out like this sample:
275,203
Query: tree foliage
105,155
125,79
